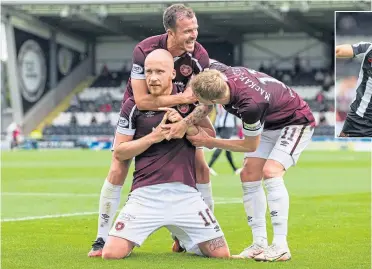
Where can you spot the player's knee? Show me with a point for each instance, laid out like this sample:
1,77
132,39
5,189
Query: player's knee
272,169
112,254
249,174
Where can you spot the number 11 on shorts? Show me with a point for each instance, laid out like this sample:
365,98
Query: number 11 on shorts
206,222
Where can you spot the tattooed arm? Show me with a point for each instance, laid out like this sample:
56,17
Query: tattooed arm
199,113
178,130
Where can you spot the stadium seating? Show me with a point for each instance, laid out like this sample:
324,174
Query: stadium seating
95,110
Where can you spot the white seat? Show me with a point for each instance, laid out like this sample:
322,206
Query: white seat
83,118
62,119
114,117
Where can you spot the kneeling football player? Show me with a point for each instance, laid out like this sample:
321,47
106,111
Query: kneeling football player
163,192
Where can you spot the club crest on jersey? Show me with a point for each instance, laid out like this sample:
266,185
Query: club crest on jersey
370,59
184,108
186,70
119,226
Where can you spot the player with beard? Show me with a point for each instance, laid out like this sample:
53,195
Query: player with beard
189,58
163,192
359,119
277,125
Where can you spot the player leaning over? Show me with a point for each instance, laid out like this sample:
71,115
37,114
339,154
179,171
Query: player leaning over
163,192
359,119
189,58
277,125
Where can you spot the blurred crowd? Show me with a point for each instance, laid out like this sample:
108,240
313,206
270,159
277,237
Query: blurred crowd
301,74
353,23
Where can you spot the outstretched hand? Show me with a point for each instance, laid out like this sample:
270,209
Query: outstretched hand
201,139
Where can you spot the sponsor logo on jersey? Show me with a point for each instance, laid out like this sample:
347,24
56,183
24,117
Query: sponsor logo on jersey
179,83
137,69
33,70
253,126
149,114
183,108
123,122
186,70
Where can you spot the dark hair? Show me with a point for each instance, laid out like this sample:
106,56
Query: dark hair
174,12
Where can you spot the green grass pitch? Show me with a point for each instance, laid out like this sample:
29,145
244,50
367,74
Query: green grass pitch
329,224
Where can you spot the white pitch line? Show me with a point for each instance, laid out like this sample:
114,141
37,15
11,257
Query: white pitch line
223,201
49,216
50,194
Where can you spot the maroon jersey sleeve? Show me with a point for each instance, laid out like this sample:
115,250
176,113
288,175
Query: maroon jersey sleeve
201,59
127,124
138,63
253,118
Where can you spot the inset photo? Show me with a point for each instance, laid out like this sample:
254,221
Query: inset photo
353,73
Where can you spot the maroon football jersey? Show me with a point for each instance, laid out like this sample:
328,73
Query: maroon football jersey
164,162
263,102
185,65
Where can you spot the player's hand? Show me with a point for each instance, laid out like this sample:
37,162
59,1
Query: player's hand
201,139
158,134
176,130
173,115
189,97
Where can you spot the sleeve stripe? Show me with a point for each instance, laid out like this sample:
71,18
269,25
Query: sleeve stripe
197,64
125,131
131,116
252,133
137,76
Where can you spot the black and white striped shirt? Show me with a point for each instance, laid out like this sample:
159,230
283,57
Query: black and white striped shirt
362,104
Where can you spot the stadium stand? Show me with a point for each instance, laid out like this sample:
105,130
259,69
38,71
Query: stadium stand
95,110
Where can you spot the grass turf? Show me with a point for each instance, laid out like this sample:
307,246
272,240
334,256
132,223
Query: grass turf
329,225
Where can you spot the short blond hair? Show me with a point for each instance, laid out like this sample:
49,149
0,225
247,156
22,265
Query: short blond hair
209,85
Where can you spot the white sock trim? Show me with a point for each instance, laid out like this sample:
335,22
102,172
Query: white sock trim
108,184
274,181
251,185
